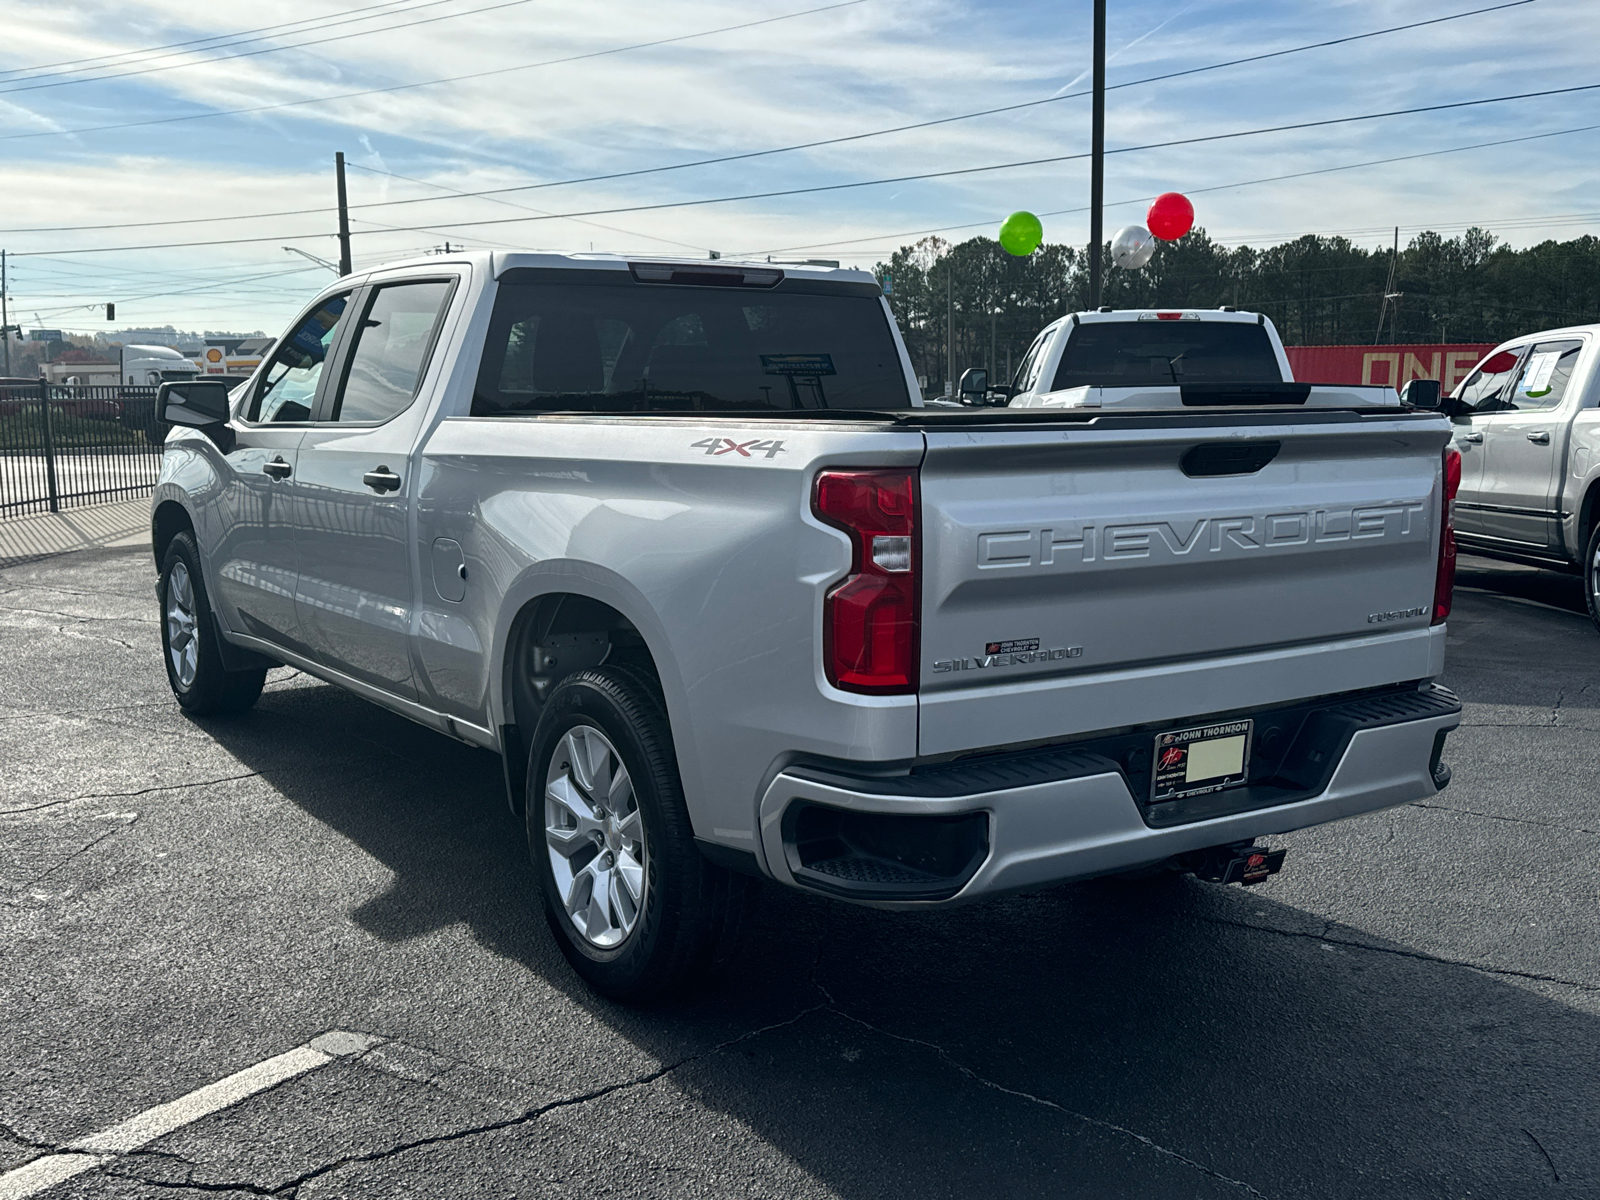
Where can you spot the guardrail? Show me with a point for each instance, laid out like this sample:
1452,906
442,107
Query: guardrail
66,446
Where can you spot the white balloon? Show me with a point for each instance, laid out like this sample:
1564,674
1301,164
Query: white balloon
1133,247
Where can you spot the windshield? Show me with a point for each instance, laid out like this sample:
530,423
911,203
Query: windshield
619,346
1142,353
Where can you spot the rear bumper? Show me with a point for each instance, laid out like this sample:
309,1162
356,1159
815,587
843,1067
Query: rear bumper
1071,814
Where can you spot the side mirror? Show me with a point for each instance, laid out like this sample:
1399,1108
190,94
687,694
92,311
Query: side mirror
196,403
1421,393
974,385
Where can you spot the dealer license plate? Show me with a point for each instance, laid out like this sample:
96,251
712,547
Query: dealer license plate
1192,762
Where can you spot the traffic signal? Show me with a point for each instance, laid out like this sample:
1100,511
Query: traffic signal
111,312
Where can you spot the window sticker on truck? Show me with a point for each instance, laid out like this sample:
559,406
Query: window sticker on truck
718,446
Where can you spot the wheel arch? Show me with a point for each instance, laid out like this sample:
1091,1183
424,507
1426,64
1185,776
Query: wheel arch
556,624
1588,513
167,520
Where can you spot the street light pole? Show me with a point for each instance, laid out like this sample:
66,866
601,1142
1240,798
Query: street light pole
5,314
1097,154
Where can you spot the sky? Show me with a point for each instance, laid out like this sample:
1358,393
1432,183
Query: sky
124,113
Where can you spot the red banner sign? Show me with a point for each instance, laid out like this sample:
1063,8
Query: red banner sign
1385,366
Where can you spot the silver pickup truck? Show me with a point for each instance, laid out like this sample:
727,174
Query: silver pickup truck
681,544
1528,428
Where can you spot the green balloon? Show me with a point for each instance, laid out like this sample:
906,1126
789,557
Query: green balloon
1021,233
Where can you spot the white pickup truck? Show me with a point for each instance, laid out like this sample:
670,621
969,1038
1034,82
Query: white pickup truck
680,543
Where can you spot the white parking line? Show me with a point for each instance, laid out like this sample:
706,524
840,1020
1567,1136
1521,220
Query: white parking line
97,1149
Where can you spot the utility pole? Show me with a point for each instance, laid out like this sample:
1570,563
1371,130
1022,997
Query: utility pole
950,331
1389,294
1097,154
344,216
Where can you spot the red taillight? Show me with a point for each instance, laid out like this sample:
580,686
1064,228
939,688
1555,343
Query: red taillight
869,621
1444,583
1161,316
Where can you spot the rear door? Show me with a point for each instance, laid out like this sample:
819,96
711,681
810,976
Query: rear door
254,560
1131,548
353,486
1525,440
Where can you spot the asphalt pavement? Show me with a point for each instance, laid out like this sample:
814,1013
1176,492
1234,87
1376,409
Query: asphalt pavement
297,953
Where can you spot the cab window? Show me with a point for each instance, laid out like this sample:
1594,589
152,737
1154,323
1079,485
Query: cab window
1546,372
392,344
1486,389
1028,369
289,384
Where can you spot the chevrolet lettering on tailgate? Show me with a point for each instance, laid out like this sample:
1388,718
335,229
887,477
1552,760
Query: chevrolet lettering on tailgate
1081,542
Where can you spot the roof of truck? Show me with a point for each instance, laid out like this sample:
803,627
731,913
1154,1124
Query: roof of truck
498,262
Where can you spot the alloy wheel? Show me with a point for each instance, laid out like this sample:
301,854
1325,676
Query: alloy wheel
183,646
595,837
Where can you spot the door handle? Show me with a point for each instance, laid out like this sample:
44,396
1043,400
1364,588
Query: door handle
382,480
1541,436
1472,437
277,468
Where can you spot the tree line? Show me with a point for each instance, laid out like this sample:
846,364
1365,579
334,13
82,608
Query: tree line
1316,290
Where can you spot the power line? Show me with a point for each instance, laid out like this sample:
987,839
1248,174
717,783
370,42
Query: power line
835,187
339,37
401,87
955,171
1221,187
804,145
222,40
1031,162
512,204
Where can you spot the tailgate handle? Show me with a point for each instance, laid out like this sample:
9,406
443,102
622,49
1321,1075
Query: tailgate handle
1227,458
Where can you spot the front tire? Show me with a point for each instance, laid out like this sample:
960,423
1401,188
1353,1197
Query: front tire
635,907
189,640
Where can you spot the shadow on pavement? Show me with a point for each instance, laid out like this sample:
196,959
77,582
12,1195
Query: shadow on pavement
1168,1038
1557,589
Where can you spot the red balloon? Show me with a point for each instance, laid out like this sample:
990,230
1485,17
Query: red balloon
1170,217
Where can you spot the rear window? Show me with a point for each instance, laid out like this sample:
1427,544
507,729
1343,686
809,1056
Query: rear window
616,346
1142,353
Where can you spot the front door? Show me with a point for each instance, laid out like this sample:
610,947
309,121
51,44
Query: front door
255,553
1526,441
1483,394
353,487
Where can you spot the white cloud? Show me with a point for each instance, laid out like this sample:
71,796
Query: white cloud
876,64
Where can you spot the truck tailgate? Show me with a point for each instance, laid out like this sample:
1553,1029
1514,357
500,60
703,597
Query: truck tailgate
1109,573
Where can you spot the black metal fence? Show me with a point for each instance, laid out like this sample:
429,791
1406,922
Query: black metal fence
64,446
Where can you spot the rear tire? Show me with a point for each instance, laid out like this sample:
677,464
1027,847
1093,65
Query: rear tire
636,908
189,640
1591,575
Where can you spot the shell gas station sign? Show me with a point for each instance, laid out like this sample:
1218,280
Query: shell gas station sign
1386,366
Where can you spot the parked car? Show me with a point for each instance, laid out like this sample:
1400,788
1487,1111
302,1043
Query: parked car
680,543
1527,427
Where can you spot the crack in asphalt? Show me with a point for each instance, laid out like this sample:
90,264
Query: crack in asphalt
1548,1161
1469,812
64,631
80,852
38,612
12,1134
1419,955
166,787
290,1188
1044,1101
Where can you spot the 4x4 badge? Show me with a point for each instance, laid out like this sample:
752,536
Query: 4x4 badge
716,446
